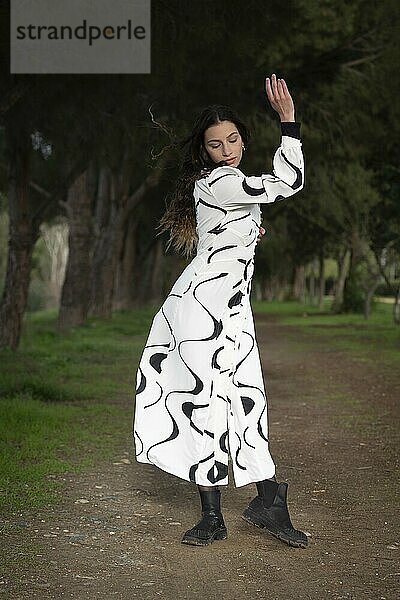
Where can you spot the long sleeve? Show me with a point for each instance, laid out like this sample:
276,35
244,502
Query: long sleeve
231,188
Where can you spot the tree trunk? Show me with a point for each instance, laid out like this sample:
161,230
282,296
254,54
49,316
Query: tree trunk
368,297
312,286
353,300
321,283
299,284
396,308
343,265
156,281
107,246
124,281
267,290
105,262
55,238
23,233
74,303
143,274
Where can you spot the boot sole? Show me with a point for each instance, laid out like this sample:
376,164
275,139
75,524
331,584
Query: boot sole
254,519
220,534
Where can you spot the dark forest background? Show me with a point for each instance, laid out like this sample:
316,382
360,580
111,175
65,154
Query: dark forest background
86,164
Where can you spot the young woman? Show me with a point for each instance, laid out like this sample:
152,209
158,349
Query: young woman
200,393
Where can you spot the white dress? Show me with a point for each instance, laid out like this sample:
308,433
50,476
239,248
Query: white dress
200,394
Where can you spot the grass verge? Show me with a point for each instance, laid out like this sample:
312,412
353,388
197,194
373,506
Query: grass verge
41,440
63,397
376,340
63,402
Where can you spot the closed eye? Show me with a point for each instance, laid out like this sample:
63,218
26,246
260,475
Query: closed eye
231,141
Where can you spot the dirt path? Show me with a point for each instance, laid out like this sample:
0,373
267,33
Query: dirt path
334,436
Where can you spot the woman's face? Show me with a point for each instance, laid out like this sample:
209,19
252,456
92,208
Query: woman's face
223,142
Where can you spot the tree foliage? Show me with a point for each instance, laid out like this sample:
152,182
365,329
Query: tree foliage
341,61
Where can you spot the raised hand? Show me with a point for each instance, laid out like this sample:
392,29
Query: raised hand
280,98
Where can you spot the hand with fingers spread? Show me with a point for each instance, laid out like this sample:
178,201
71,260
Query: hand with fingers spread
280,98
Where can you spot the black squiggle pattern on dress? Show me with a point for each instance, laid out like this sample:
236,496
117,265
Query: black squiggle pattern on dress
200,394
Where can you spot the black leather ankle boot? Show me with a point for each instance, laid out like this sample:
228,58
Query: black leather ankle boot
275,518
211,526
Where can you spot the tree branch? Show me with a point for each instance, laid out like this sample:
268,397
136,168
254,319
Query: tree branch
35,186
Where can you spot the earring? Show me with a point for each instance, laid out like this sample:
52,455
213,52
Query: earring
243,148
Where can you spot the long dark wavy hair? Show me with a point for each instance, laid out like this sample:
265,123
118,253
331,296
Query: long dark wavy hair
180,216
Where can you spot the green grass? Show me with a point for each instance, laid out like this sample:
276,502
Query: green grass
63,398
284,309
40,440
90,361
59,401
376,340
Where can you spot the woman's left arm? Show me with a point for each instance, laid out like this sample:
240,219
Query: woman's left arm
232,189
288,159
288,174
